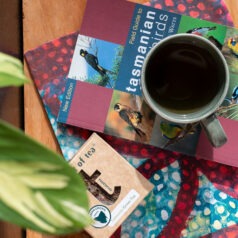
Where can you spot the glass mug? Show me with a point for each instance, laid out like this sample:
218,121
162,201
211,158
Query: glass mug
185,78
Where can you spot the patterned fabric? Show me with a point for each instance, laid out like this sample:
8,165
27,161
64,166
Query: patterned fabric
192,197
211,10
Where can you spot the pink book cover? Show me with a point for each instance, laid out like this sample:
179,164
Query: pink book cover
105,104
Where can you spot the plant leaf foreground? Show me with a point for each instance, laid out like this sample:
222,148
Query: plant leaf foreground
11,71
46,194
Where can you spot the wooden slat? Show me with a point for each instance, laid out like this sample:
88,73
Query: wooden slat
232,6
8,230
10,98
45,20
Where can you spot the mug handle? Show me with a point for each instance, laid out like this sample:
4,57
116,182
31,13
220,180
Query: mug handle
214,131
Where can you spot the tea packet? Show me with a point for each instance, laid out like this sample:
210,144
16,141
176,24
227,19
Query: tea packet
115,188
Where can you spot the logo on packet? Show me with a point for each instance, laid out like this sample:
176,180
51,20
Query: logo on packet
101,216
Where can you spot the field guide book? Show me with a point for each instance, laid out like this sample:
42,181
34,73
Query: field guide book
103,91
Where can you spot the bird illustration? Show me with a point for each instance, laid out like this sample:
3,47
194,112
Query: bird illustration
132,117
233,46
234,96
92,60
201,31
175,133
170,130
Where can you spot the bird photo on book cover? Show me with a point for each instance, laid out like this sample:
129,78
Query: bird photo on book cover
96,61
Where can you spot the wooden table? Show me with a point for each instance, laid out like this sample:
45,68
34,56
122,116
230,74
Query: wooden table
10,98
232,6
45,20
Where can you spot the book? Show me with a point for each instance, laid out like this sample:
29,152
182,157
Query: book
101,98
115,188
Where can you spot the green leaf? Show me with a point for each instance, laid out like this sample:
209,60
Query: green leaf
11,71
38,188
